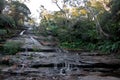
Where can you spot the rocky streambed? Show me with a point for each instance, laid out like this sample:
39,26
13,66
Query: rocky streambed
42,61
60,66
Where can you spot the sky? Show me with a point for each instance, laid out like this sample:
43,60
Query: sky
34,5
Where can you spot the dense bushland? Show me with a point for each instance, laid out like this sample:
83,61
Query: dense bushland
90,27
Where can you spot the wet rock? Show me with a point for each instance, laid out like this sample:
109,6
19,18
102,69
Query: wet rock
5,60
108,60
97,78
99,69
33,44
45,43
90,54
40,61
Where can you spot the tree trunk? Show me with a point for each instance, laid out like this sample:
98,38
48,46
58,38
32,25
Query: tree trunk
98,26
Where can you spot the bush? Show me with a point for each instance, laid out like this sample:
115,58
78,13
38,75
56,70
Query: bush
12,47
3,32
6,21
109,46
105,46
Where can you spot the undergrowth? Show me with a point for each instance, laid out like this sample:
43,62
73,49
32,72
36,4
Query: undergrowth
103,46
12,47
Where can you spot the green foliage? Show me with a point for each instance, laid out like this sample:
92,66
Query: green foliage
115,10
83,33
12,47
6,21
6,26
21,8
104,46
2,5
109,46
19,12
3,32
110,22
73,45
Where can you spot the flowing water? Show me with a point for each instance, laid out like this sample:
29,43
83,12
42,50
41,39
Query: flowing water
22,32
57,65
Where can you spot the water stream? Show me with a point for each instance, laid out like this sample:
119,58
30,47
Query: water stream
22,32
64,67
63,64
35,42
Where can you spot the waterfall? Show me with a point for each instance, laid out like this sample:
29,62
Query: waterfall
62,71
23,66
34,41
22,33
55,66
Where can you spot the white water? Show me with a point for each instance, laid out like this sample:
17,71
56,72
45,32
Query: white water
22,33
62,71
55,66
23,66
35,41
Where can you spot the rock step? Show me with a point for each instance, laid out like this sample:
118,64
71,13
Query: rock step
37,50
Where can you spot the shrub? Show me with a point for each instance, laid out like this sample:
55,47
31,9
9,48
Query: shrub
106,46
12,47
6,21
3,32
109,46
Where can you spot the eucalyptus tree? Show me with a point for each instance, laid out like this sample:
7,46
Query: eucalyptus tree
93,8
98,26
111,20
64,11
56,2
115,10
6,22
2,5
18,11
